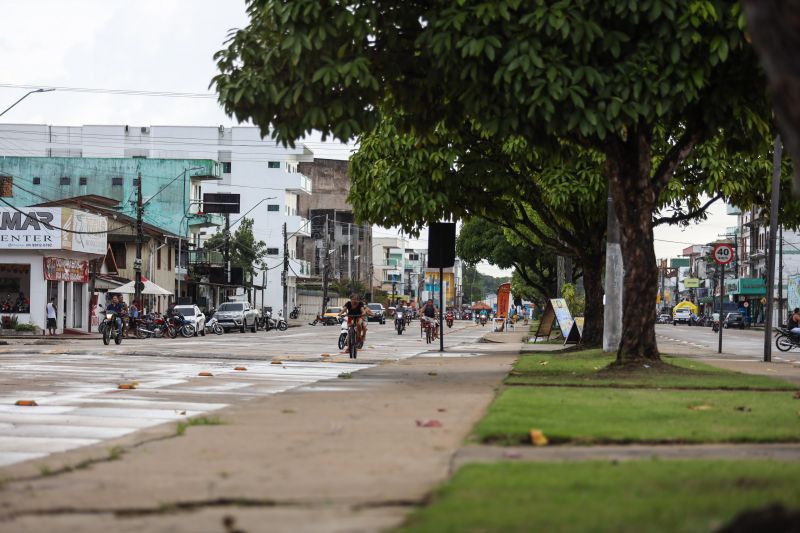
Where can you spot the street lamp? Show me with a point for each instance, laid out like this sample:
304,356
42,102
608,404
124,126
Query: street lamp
24,97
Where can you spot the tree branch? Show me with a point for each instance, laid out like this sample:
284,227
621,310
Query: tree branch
691,137
681,217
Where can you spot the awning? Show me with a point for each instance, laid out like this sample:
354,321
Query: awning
149,288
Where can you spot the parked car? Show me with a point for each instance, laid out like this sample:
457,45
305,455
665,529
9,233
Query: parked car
194,316
664,318
239,315
682,316
734,320
378,313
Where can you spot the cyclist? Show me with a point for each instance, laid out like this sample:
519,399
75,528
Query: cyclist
428,314
356,309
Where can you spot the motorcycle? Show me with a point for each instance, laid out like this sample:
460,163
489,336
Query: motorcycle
178,324
274,323
715,326
212,326
449,319
150,326
483,320
399,322
785,340
295,312
109,328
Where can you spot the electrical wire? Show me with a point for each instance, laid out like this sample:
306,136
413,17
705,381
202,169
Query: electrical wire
125,92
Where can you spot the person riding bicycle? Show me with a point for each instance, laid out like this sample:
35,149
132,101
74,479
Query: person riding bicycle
119,308
356,309
428,313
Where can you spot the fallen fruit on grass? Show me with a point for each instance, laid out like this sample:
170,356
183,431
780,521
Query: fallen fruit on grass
429,424
700,407
240,368
26,403
205,374
538,438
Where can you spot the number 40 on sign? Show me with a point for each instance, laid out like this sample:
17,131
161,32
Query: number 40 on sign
722,253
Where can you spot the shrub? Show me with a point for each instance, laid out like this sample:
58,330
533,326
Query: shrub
25,327
9,321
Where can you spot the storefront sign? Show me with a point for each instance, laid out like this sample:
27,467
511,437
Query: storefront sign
752,286
41,228
679,262
691,283
30,227
60,269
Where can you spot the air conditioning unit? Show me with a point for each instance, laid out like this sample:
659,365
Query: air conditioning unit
145,131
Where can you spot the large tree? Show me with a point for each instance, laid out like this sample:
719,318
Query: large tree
480,240
642,83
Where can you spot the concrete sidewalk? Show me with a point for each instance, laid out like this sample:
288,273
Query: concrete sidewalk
350,454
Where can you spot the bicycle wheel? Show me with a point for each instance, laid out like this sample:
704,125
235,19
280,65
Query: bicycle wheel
784,343
106,336
352,343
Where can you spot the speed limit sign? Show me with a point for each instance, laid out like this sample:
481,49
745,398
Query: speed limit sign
722,253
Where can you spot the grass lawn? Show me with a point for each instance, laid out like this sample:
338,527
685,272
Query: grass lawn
652,496
593,415
588,368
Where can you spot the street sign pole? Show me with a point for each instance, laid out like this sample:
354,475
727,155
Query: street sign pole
721,299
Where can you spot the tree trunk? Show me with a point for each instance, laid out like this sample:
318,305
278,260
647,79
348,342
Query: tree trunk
593,314
629,165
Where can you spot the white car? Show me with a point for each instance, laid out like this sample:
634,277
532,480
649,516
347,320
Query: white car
194,316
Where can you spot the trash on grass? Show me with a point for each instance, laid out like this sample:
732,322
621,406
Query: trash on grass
538,438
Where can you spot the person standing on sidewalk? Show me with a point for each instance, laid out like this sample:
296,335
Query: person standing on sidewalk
51,316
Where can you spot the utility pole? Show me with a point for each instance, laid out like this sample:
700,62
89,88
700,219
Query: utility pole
326,263
137,263
350,255
612,314
781,312
285,274
227,252
773,232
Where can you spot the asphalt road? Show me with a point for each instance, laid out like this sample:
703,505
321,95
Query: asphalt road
747,344
75,383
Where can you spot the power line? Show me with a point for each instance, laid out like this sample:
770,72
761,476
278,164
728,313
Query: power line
125,92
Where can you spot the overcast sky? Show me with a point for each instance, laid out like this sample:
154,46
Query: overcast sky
154,45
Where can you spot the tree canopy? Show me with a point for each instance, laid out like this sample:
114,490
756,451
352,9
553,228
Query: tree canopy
642,84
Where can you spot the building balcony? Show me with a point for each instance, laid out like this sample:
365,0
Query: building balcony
298,183
207,258
204,220
298,226
300,268
212,171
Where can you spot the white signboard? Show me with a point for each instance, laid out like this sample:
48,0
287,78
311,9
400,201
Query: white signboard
40,228
30,228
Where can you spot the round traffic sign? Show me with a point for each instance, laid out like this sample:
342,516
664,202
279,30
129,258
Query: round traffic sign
722,253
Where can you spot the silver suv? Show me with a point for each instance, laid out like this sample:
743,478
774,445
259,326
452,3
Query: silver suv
378,313
237,315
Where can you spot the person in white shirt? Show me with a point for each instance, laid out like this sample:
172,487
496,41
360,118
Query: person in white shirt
51,316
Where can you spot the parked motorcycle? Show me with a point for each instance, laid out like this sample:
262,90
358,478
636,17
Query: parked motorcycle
399,322
785,340
295,312
178,324
151,325
449,319
109,328
274,323
212,326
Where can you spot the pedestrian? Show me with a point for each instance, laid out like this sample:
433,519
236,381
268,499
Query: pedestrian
51,316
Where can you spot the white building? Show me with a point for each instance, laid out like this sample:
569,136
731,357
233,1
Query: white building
263,173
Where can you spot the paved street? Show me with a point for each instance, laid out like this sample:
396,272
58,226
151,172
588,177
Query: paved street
745,344
75,383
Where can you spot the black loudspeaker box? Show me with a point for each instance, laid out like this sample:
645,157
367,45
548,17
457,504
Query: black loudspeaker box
442,245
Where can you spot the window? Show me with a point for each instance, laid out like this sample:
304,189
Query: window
273,207
226,167
64,180
37,181
119,250
158,258
116,182
345,229
274,164
6,186
82,180
16,279
273,251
